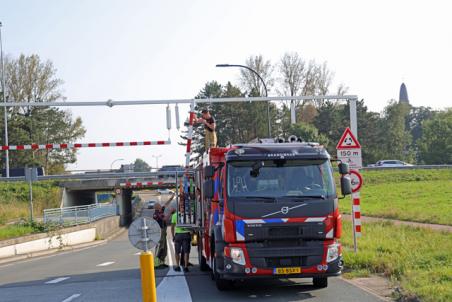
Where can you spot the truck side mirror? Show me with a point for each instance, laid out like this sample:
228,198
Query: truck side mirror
209,172
208,188
346,185
344,168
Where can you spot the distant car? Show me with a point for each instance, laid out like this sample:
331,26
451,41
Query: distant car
151,204
390,163
164,191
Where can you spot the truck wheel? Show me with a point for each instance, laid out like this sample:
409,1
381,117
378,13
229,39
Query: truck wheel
201,259
222,284
320,282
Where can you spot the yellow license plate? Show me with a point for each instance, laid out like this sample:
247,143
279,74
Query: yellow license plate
287,270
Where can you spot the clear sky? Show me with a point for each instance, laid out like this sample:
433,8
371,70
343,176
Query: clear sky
138,49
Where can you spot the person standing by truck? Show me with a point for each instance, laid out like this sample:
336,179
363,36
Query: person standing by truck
182,242
163,221
210,136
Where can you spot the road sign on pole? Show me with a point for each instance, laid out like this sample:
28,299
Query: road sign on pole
357,180
349,150
31,174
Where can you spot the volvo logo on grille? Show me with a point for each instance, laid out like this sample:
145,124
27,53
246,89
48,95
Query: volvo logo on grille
284,210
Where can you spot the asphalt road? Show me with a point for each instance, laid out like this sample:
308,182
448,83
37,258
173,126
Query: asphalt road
109,272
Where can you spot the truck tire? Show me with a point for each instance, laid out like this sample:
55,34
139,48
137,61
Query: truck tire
222,284
320,282
201,259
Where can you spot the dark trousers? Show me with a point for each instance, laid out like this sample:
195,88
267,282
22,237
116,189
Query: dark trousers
162,248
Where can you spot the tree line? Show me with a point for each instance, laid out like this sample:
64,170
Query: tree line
417,135
29,79
414,134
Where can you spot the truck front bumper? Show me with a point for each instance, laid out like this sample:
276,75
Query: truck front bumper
234,271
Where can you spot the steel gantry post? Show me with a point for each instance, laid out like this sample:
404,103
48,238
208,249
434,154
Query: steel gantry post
5,118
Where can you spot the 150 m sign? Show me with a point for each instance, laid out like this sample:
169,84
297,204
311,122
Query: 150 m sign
349,150
355,152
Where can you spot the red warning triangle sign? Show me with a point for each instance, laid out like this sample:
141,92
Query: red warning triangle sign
348,141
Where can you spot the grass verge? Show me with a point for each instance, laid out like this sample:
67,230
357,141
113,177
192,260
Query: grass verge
417,260
26,228
14,200
13,231
412,195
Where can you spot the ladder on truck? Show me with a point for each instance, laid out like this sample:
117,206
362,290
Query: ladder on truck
186,206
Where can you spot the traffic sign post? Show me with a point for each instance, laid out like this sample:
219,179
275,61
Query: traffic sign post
31,174
144,234
349,151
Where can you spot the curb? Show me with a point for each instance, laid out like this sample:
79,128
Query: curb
64,249
367,290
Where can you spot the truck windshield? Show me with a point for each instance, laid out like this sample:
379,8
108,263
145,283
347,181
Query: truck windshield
281,178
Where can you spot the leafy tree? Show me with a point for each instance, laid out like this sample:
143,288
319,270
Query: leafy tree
300,78
413,123
141,166
250,81
28,79
292,74
308,133
435,143
397,139
307,113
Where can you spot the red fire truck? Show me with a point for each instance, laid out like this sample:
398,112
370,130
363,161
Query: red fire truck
269,209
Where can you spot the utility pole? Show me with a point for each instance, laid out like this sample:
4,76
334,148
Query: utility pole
157,159
4,101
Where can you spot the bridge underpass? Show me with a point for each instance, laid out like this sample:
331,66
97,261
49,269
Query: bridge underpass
83,192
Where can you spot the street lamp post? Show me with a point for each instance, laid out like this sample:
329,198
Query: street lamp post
111,165
4,100
265,87
157,159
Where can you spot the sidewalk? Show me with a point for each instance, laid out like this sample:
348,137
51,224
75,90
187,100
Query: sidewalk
435,227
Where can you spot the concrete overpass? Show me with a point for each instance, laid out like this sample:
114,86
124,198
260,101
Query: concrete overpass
83,192
80,189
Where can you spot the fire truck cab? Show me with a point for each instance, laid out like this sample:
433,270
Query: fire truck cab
269,209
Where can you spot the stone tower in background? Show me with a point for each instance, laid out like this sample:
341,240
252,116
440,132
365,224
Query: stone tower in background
403,95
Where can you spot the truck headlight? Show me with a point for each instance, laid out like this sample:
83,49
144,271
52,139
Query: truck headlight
237,255
333,252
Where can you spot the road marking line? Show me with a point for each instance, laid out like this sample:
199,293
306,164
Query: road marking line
74,296
106,263
165,290
136,254
57,280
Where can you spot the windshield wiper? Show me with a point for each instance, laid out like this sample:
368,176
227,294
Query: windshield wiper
304,196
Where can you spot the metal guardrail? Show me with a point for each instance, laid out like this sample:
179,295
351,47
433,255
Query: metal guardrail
89,176
79,214
414,167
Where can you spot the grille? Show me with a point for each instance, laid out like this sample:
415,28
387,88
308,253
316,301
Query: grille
283,231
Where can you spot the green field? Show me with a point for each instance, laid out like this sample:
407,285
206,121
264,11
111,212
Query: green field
413,195
14,198
417,260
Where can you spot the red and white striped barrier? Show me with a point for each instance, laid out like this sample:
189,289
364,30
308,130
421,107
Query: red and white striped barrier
140,184
356,212
191,121
83,145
